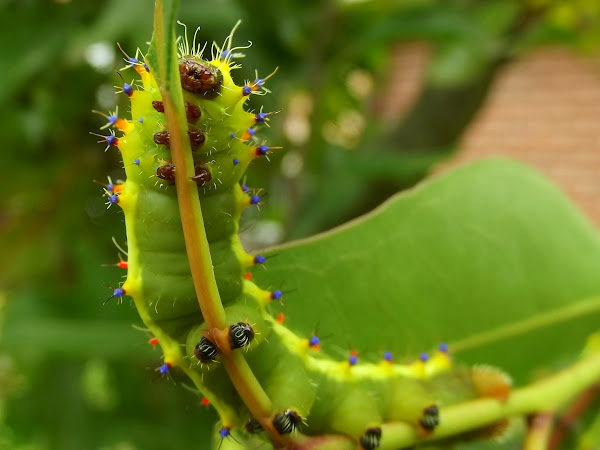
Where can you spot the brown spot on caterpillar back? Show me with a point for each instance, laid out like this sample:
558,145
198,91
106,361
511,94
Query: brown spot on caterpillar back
192,112
200,78
202,175
167,173
162,138
197,138
158,106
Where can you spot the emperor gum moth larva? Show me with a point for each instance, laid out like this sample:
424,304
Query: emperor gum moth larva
309,391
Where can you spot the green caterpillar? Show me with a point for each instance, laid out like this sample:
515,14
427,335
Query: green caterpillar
309,393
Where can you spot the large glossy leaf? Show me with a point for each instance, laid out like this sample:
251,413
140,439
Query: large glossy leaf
490,258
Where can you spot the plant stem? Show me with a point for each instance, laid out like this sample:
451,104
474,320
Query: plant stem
198,252
540,429
572,414
196,243
545,395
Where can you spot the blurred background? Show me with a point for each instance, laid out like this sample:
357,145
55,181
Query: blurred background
373,96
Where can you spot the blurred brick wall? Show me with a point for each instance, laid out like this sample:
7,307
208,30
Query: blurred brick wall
403,80
544,110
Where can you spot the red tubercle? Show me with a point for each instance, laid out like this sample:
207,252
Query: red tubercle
205,401
261,151
280,318
121,264
153,342
353,353
248,276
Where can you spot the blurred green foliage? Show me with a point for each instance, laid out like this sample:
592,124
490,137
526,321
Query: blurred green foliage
74,374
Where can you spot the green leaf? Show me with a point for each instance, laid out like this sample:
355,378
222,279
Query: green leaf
491,259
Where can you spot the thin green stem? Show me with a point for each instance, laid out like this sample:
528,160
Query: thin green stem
196,242
545,395
572,414
198,252
540,430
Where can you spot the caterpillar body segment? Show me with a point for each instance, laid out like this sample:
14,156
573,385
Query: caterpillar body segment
310,393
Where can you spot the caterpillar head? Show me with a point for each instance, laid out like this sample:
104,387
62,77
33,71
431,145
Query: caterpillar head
200,77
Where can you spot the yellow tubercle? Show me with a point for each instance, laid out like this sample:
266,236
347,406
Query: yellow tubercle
439,362
242,200
386,367
132,287
245,259
266,297
124,202
345,369
418,368
252,289
172,357
224,67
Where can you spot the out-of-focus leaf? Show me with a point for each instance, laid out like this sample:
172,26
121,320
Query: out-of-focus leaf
490,258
